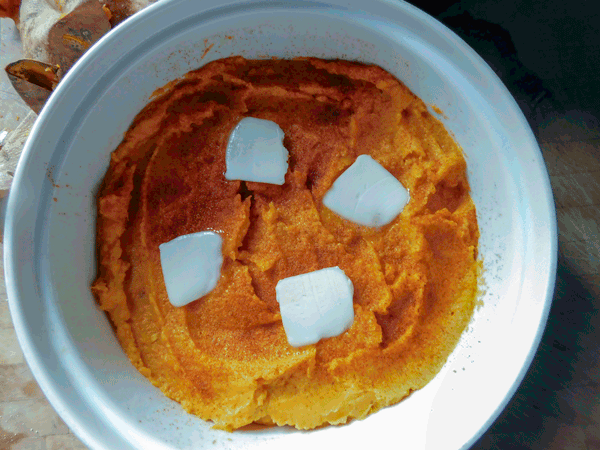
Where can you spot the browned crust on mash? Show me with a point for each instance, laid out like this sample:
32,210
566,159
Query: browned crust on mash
225,357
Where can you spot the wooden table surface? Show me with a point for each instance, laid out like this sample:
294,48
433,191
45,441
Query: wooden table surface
558,404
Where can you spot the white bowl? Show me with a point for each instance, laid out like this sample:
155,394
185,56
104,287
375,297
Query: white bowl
50,223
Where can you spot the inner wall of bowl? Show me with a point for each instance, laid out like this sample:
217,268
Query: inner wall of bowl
84,340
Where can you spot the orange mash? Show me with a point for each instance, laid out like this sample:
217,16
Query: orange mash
225,357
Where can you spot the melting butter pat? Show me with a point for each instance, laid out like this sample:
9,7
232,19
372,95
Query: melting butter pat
315,305
191,266
367,194
255,152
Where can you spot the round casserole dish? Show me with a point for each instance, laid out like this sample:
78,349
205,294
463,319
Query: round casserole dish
50,224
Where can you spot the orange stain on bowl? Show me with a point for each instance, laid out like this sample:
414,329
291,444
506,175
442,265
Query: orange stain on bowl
439,111
207,49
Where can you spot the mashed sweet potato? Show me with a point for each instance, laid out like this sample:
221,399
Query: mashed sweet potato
225,357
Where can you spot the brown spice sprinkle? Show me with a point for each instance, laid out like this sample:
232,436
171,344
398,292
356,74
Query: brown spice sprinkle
225,357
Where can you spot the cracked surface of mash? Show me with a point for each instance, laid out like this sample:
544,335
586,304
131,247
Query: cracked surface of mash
225,357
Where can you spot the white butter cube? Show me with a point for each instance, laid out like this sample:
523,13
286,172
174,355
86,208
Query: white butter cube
367,194
315,305
191,266
255,152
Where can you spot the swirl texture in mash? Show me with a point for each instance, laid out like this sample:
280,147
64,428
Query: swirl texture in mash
225,357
